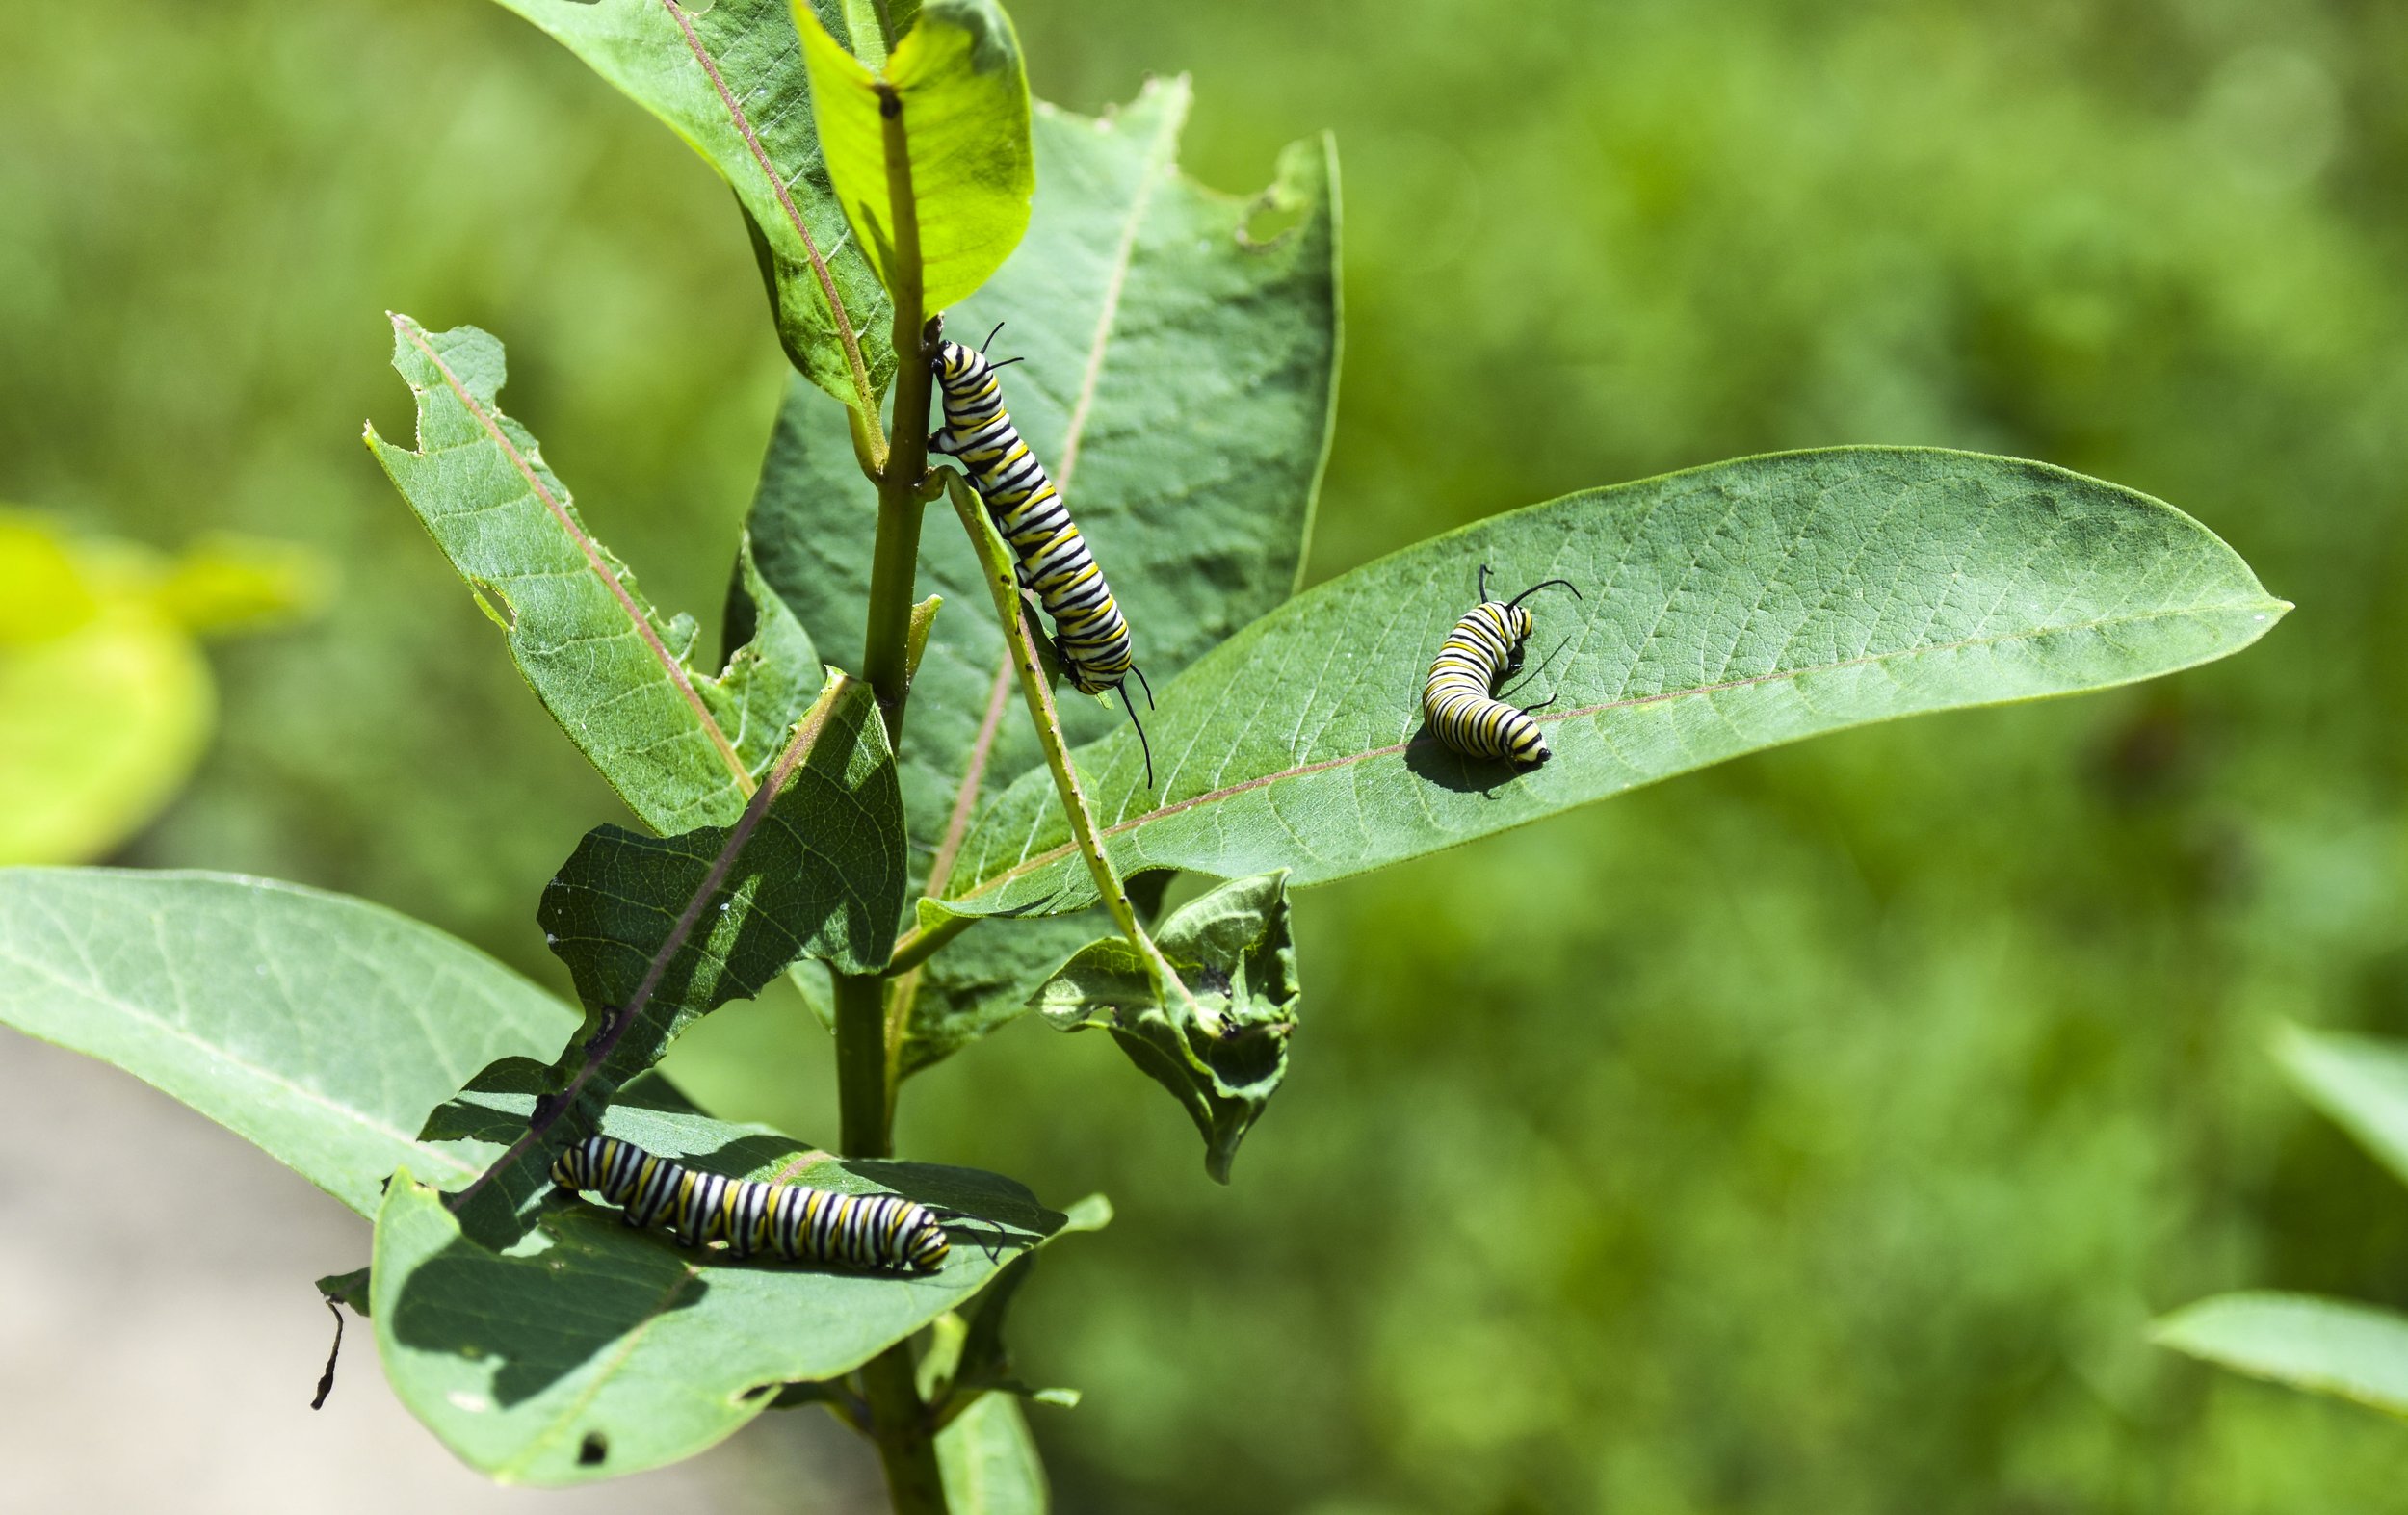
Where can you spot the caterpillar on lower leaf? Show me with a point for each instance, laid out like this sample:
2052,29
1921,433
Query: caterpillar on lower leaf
799,1223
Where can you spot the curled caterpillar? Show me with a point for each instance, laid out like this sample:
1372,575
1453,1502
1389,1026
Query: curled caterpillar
800,1224
1090,635
1459,699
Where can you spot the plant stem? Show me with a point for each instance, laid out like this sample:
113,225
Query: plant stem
907,1437
899,1422
864,1099
885,660
1004,583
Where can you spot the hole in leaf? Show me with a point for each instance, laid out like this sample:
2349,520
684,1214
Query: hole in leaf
592,1449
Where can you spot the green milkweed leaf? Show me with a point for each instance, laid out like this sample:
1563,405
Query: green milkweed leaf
1726,609
822,876
728,77
2350,1351
321,1028
587,1350
953,96
681,745
1224,1054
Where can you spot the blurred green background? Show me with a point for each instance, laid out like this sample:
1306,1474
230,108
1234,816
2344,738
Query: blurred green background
1817,1133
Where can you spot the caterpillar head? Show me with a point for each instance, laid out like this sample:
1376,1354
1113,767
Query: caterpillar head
929,1243
565,1168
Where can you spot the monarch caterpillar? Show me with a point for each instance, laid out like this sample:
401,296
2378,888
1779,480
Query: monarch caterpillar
1484,647
1091,636
800,1224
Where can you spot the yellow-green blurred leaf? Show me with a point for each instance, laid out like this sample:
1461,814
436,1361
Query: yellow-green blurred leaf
961,104
235,583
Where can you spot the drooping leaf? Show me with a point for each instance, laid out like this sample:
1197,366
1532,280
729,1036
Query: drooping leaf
2360,1082
323,1029
682,745
1724,610
589,1349
953,97
989,1461
1222,1047
2331,1346
728,77
822,876
1178,385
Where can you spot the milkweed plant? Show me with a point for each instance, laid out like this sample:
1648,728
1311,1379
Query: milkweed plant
894,788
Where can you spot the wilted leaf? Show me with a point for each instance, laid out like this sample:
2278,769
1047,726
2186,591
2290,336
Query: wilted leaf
2330,1346
1220,1049
953,96
681,745
323,1029
1726,609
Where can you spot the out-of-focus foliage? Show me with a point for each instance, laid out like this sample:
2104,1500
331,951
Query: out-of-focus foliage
2331,1346
1818,1133
105,699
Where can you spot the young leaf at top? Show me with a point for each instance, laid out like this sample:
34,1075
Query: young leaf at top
2330,1346
681,745
1723,609
587,1349
2361,1083
728,77
321,1028
1222,1057
822,876
941,132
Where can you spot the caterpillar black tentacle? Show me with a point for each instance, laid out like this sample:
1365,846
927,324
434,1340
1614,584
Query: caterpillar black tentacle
1459,697
796,1222
1090,636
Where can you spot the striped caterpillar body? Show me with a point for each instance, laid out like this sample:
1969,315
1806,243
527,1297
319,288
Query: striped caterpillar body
800,1224
1459,699
1091,636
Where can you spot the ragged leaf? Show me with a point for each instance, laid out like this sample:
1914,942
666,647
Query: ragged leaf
2330,1346
952,103
728,77
822,876
1178,384
321,1028
681,745
1724,610
1220,1048
587,1349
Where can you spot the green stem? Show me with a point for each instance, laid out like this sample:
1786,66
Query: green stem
899,1422
886,660
905,1433
1005,586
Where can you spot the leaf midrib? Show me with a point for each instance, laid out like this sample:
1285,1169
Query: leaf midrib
844,332
92,990
1051,855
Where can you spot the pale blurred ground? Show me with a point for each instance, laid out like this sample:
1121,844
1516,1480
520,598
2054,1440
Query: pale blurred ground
160,1338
